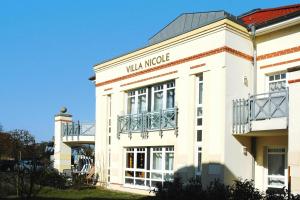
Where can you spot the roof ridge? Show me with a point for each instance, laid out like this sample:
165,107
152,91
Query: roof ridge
184,13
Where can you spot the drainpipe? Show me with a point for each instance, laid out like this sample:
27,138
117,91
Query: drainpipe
253,38
253,139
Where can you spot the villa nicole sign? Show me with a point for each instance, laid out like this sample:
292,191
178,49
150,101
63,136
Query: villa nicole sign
149,63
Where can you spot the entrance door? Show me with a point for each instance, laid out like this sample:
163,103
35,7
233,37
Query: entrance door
277,167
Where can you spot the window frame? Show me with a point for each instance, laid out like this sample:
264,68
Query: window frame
198,105
164,89
149,151
135,94
285,165
268,81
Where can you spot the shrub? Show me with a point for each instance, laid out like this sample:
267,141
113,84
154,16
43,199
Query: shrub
245,190
217,190
52,178
239,190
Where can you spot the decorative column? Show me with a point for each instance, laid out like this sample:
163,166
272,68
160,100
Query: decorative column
294,128
62,152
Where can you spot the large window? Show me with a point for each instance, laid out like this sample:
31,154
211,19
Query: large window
277,82
162,97
137,101
276,167
148,166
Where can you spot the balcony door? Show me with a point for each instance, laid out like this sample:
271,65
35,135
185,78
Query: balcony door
276,167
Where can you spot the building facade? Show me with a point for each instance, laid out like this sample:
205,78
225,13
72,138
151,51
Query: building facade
212,95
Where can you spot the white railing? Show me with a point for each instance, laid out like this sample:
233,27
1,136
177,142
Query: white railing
259,107
148,121
78,129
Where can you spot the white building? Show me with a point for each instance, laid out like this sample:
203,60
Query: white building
212,95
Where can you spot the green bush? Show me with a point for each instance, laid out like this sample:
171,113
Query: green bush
52,178
239,190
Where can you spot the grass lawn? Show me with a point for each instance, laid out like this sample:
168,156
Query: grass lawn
97,193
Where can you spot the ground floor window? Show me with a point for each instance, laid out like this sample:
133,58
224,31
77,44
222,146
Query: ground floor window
277,167
148,166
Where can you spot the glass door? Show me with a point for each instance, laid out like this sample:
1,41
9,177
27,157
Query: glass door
277,167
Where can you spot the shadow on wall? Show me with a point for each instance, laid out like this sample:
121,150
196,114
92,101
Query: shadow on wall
209,173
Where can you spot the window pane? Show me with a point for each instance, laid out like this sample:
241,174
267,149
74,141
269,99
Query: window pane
276,164
199,122
201,77
277,76
142,104
199,161
129,173
199,135
140,174
131,105
199,111
158,98
200,92
157,161
169,161
140,162
139,182
170,98
130,160
283,76
156,175
128,181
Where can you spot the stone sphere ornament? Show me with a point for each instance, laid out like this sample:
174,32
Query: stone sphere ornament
63,110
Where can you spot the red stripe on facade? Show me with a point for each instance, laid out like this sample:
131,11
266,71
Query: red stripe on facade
294,81
146,79
107,89
180,61
280,63
197,66
278,53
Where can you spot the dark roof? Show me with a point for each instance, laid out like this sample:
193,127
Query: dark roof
189,21
182,24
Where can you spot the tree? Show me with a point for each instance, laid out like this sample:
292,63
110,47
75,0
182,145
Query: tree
6,146
23,143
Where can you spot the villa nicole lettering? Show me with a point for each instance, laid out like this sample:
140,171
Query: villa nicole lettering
149,63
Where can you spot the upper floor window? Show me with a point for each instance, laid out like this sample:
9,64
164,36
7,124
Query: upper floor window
154,98
277,82
163,96
137,101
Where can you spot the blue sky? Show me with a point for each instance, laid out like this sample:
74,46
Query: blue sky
48,48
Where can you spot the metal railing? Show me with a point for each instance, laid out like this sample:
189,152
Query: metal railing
259,107
78,129
148,121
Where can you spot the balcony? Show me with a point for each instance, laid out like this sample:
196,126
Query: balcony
268,111
78,132
148,121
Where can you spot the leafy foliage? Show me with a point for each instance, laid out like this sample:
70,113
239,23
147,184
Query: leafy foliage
239,190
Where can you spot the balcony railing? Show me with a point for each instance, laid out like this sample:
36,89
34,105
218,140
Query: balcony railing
78,129
259,107
148,121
